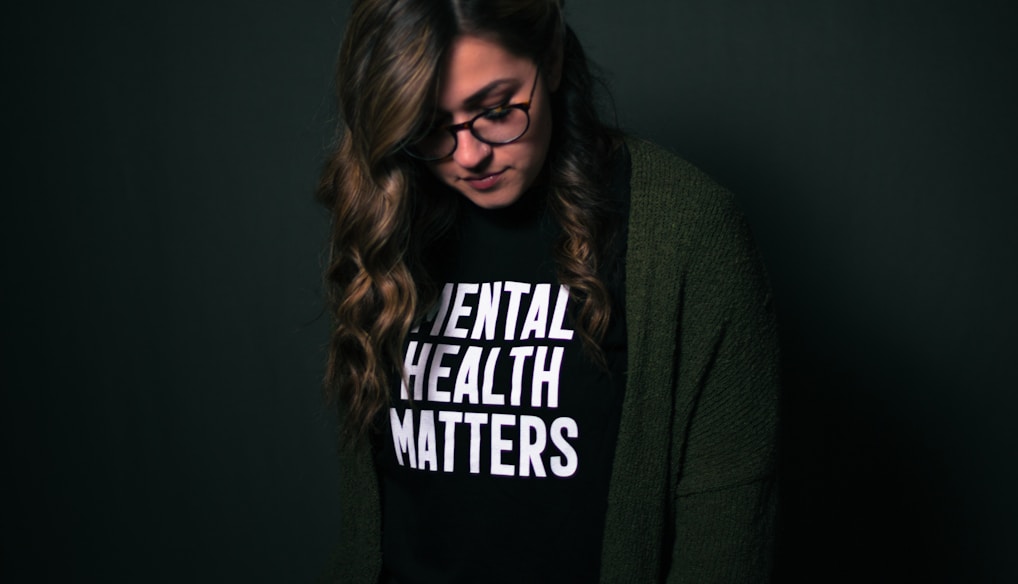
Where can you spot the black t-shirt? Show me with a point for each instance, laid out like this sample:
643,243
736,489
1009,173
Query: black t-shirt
495,456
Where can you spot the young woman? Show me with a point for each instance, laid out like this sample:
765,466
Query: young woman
553,352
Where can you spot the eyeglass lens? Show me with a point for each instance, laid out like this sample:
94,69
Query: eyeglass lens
494,126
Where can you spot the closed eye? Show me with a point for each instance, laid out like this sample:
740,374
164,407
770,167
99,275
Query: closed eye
497,113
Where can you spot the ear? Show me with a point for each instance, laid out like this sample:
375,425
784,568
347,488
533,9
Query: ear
553,75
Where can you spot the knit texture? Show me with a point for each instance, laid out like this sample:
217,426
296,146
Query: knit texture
691,497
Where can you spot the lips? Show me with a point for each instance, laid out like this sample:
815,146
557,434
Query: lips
484,182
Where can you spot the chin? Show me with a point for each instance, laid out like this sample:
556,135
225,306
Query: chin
502,196
492,200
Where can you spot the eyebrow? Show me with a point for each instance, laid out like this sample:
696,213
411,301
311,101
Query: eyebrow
483,92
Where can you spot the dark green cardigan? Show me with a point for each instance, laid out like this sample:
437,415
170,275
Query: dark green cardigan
691,497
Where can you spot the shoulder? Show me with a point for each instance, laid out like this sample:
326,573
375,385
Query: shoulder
662,176
676,205
655,159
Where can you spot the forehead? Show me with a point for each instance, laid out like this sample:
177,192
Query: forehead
474,64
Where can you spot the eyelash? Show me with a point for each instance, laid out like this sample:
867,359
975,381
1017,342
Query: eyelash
497,112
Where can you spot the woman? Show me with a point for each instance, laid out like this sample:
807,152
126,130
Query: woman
553,352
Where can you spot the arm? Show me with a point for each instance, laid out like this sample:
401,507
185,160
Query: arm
726,406
690,498
358,556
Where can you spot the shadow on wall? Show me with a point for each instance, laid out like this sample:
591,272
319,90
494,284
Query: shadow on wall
862,499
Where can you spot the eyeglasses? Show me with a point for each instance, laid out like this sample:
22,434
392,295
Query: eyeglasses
496,126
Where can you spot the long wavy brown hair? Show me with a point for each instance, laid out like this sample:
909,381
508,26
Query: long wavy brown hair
387,217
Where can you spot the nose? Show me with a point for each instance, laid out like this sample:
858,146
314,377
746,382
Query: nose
470,152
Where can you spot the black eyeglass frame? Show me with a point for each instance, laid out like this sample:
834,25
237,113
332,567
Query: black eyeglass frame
454,129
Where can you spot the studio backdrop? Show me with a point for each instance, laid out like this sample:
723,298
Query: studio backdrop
163,325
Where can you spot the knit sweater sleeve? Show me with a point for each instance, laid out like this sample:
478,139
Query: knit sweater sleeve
726,405
357,558
723,370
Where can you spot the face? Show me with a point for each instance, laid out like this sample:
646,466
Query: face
478,75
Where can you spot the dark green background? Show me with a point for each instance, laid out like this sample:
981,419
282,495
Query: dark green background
162,329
